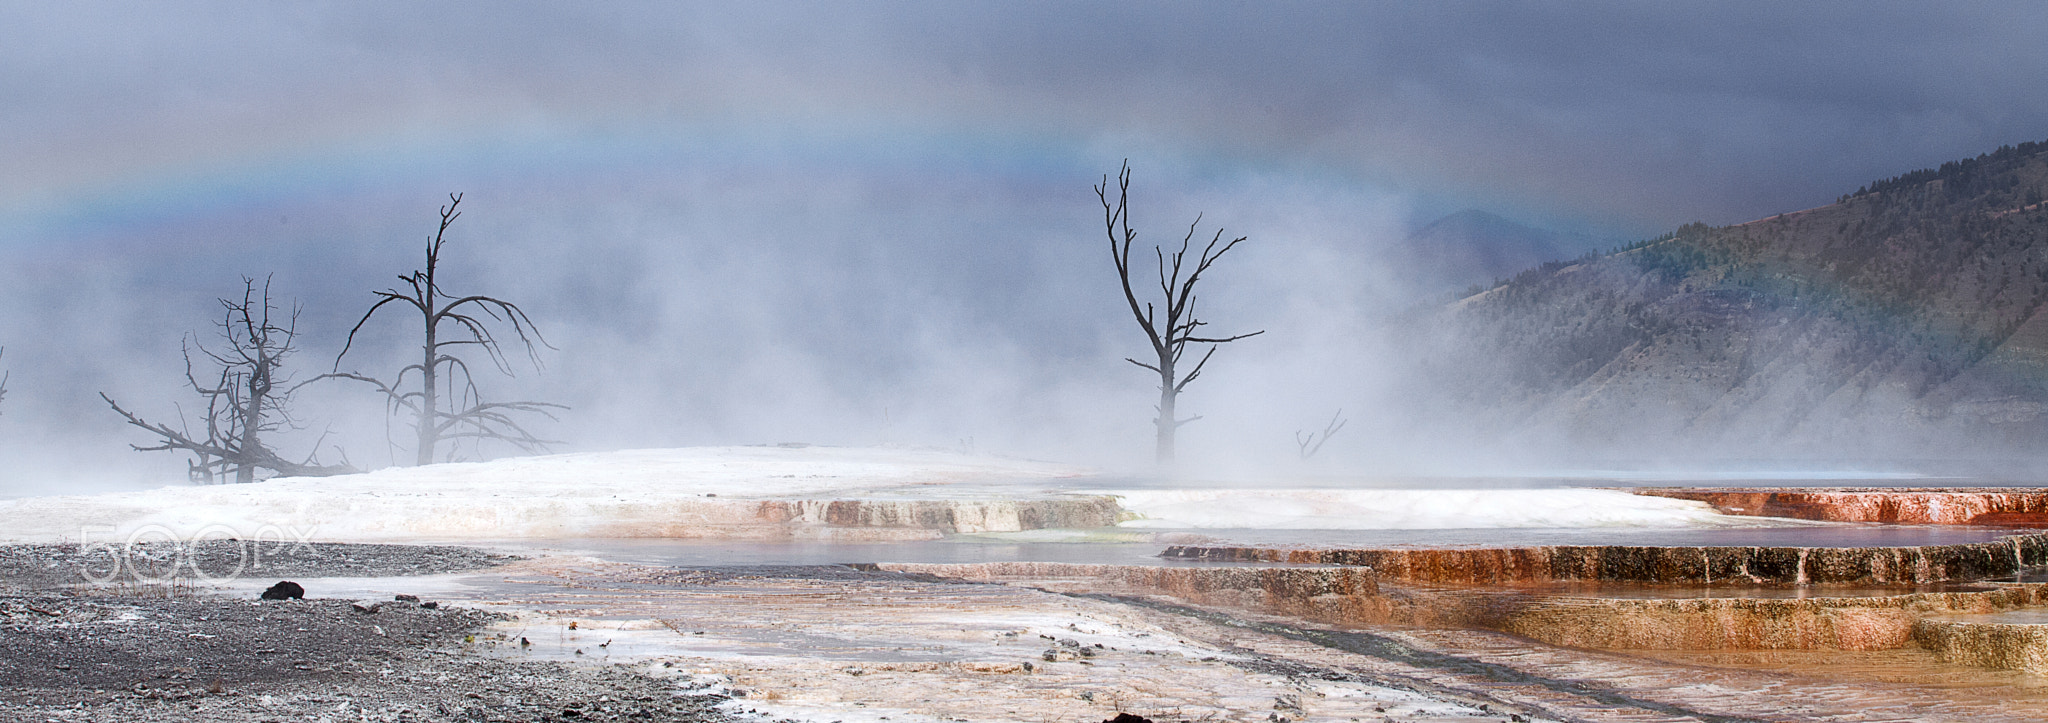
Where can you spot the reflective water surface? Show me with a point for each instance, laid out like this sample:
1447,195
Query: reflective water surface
2010,617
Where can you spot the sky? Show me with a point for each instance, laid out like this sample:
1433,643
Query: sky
863,223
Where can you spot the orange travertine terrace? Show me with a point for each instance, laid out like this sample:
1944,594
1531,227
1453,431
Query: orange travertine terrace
2004,507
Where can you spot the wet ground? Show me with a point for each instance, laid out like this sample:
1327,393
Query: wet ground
709,632
834,643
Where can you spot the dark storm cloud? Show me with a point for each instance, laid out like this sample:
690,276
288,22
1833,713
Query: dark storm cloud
1661,112
1653,114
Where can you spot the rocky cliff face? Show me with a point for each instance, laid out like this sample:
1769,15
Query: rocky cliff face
1905,319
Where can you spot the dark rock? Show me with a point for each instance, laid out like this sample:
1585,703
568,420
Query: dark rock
1128,718
285,590
402,597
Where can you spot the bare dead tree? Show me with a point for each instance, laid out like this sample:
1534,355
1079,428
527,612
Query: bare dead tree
442,397
1310,444
243,400
1180,327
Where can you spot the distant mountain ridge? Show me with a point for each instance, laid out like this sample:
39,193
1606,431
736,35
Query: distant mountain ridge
1476,247
1906,318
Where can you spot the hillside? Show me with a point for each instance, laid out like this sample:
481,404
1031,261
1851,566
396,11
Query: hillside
1475,247
1904,320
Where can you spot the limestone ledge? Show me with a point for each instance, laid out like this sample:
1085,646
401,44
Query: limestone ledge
1730,623
841,519
395,518
1985,644
2015,507
1666,565
1590,620
1869,620
1353,596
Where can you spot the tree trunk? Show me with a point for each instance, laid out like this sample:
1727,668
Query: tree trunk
252,419
1166,423
1171,335
428,439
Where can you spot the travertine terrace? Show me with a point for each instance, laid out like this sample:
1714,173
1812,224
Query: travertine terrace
1665,565
1620,617
2005,507
750,493
1319,592
1989,641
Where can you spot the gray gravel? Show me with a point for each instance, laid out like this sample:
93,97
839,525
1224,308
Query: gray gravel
72,652
56,647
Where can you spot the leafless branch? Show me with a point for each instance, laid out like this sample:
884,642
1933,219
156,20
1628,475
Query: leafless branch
440,392
1310,444
1170,336
243,403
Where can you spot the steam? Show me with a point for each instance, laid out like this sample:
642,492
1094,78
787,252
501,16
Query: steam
812,305
872,225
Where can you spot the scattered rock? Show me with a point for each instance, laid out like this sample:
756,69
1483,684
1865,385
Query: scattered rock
367,606
402,597
285,590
